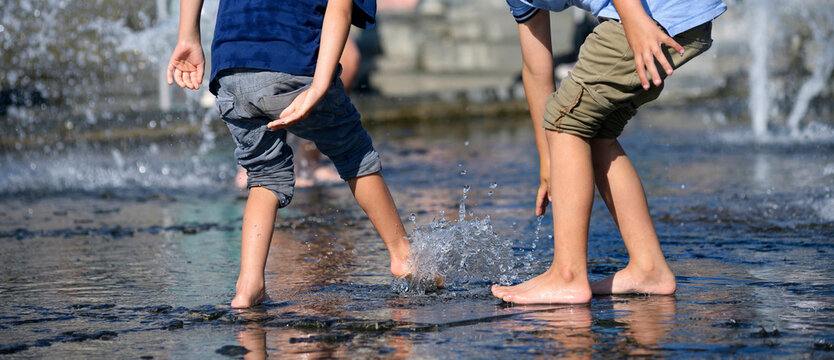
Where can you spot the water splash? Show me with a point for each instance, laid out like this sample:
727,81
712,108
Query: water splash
759,100
83,114
462,252
812,53
821,61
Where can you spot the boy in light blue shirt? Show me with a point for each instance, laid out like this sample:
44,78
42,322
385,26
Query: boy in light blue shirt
578,145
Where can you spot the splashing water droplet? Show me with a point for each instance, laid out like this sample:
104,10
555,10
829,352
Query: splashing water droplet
490,193
493,185
463,252
466,143
463,172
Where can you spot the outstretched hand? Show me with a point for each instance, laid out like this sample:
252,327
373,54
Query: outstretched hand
646,39
298,110
187,65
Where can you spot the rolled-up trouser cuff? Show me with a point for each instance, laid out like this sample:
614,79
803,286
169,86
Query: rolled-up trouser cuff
281,181
359,159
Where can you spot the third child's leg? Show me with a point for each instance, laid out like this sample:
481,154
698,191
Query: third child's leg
572,194
258,225
373,196
647,271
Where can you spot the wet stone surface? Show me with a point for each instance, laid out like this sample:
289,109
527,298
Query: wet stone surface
104,263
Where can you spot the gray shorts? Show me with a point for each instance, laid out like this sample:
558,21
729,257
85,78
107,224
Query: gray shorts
248,99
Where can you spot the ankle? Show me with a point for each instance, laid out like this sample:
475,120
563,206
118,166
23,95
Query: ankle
399,252
567,275
249,282
649,267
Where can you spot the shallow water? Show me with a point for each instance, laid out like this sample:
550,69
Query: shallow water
123,251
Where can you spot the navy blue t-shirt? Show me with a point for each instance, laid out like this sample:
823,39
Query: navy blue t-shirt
277,35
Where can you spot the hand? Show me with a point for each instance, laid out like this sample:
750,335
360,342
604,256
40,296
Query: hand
298,110
645,39
187,65
543,196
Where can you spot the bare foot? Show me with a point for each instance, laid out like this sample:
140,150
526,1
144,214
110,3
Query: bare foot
244,301
303,182
633,281
401,270
547,288
326,175
399,267
249,295
320,175
499,291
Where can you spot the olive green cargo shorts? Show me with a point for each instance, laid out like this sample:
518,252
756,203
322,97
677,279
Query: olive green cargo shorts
603,92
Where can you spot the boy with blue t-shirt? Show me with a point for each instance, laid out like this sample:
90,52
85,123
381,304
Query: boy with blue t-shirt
275,69
578,144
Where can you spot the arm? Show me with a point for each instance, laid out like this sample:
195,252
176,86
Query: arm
334,33
537,76
645,39
187,62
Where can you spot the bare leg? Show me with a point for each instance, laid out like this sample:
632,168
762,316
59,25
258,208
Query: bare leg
372,195
258,225
572,194
647,271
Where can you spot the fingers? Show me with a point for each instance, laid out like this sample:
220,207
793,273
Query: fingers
200,69
195,80
661,58
650,65
289,110
275,125
178,78
186,78
673,44
169,73
641,72
282,122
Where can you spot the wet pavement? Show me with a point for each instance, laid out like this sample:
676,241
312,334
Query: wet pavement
116,251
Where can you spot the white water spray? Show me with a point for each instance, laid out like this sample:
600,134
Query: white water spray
461,252
759,100
817,55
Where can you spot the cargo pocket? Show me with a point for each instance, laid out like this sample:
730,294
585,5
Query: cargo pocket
225,105
561,103
695,42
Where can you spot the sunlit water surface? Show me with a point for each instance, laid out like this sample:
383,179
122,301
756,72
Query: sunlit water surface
131,250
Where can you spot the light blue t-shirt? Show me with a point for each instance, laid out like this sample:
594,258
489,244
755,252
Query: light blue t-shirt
676,16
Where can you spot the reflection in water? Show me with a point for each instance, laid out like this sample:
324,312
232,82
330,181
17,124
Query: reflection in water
566,328
648,320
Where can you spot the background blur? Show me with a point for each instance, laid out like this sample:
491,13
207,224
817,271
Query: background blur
101,62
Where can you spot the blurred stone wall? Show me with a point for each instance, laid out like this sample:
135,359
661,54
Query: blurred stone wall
443,47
